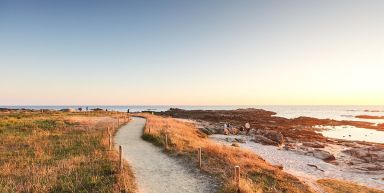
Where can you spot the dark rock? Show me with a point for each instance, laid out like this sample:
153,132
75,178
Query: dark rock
314,144
263,140
321,154
240,140
207,131
276,137
366,154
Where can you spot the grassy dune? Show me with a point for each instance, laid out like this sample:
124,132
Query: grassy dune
59,152
256,175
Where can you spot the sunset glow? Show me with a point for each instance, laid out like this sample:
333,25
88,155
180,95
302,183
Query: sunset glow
177,52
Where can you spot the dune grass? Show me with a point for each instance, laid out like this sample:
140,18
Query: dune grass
219,160
59,152
338,186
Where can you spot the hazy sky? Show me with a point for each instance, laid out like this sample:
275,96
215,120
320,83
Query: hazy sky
191,52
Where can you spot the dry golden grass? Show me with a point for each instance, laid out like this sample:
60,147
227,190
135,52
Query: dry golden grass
338,186
256,175
59,152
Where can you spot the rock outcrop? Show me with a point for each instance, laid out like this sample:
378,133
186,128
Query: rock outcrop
263,140
314,144
268,137
321,154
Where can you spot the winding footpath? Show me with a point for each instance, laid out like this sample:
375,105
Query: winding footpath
154,170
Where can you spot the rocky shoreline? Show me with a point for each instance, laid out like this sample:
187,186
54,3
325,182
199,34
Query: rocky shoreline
297,135
369,117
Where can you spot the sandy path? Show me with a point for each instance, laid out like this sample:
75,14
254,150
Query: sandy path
155,171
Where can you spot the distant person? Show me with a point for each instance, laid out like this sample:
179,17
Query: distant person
247,127
128,111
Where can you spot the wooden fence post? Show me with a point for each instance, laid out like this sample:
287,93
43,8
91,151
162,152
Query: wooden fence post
118,121
110,141
237,176
121,158
166,142
199,157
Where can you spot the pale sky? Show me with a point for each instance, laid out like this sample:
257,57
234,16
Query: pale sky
198,52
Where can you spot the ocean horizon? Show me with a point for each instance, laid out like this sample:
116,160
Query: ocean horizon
337,112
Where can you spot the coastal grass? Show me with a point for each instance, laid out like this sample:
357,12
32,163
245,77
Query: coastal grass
338,186
59,152
219,160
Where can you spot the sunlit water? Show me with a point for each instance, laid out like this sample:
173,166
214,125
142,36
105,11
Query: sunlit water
352,133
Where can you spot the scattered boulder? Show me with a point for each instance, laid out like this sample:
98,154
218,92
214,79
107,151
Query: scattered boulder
263,140
268,137
366,154
252,132
274,136
235,144
210,128
321,154
314,144
240,140
356,152
235,140
207,131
